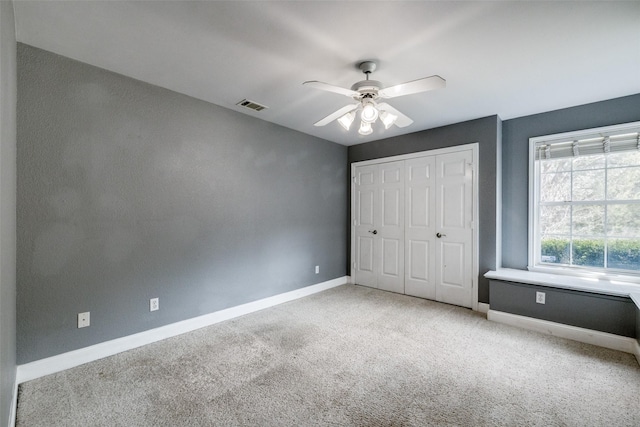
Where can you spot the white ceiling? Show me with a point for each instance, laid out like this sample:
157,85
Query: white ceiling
506,58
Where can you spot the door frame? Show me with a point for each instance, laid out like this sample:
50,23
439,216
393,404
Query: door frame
474,147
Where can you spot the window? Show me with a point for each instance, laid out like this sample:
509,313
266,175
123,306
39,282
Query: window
584,201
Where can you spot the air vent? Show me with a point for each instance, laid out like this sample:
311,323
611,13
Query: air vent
251,105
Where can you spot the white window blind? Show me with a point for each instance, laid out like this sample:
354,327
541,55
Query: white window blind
626,140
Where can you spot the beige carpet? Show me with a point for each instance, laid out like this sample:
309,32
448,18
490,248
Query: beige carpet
350,356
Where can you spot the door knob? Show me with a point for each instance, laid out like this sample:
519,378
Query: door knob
438,235
373,232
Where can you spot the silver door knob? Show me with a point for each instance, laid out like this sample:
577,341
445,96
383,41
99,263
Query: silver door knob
373,232
438,235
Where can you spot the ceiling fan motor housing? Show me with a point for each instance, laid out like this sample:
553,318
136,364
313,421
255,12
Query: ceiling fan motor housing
367,87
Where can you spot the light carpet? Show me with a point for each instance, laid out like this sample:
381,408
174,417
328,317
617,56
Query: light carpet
349,356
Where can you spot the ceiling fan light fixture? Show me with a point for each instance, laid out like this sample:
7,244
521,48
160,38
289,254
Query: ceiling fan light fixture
369,112
388,119
369,95
365,128
346,120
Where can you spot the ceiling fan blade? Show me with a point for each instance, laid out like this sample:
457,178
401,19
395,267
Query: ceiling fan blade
337,114
415,86
402,120
331,88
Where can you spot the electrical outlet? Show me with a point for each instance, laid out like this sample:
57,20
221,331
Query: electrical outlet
540,297
317,269
154,304
84,319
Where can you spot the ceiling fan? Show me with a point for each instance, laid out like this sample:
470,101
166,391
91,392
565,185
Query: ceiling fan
367,93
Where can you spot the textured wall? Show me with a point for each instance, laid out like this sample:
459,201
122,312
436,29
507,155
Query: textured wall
483,131
7,209
127,191
515,162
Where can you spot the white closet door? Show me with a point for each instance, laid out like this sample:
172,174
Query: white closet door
366,197
454,232
414,226
420,227
379,224
390,237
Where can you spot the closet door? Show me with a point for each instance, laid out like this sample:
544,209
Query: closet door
414,226
366,195
420,225
379,226
454,228
390,237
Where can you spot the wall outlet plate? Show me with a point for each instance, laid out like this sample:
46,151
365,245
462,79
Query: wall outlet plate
540,297
317,269
154,304
84,319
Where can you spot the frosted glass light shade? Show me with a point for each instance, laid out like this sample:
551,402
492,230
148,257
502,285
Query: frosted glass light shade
369,113
365,128
388,119
346,120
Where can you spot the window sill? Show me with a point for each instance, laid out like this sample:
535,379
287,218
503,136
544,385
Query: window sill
600,286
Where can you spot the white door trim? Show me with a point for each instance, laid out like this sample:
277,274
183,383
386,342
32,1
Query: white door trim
474,147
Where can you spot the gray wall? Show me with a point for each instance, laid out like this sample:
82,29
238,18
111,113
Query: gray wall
615,315
486,132
574,308
7,209
515,161
127,191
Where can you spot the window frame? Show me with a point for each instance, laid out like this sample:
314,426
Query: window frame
534,253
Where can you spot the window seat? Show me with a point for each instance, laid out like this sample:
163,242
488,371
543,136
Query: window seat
601,312
585,284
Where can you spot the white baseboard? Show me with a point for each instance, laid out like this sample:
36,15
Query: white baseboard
483,307
51,365
637,351
589,336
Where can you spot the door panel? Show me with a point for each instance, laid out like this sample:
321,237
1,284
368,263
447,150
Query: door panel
452,261
366,198
390,257
367,176
365,260
391,207
452,205
418,207
365,213
379,213
392,173
419,259
454,215
391,228
420,227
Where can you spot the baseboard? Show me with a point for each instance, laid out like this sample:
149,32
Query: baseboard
61,362
637,351
483,307
13,411
589,336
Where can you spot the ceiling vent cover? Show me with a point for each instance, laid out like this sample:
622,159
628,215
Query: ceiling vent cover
251,105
